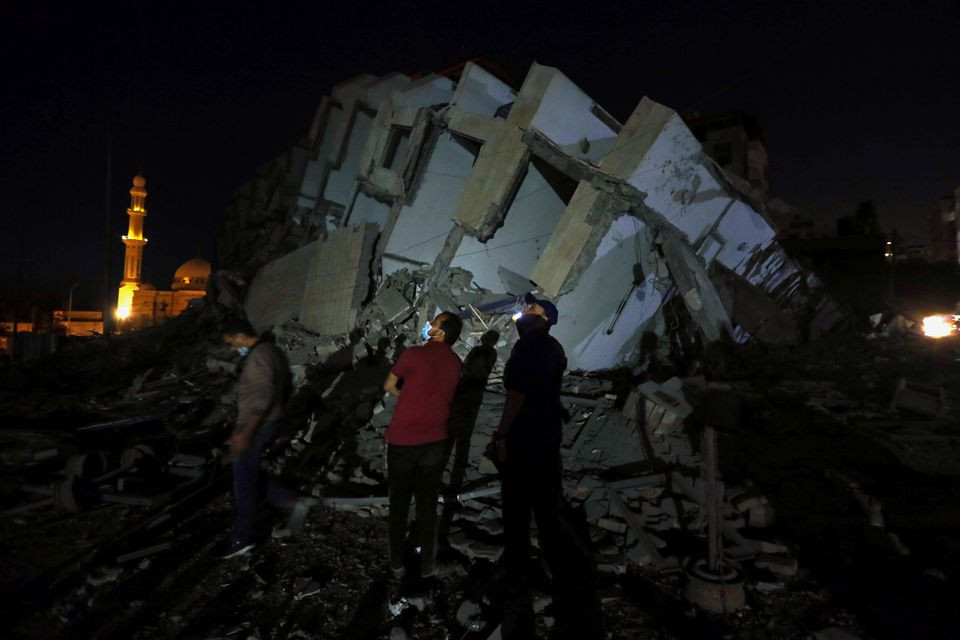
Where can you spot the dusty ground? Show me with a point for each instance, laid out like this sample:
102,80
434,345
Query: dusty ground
819,419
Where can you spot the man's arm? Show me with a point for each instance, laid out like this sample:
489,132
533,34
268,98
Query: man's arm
511,409
399,371
240,441
390,385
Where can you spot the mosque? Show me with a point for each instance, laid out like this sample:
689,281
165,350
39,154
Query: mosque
140,304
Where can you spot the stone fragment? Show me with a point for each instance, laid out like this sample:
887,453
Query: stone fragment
778,564
608,523
761,516
835,633
467,612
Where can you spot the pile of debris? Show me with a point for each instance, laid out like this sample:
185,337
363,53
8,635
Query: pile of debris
456,192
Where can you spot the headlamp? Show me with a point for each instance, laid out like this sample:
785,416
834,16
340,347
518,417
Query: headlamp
517,315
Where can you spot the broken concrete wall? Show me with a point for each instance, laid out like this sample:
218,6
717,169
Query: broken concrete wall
338,280
422,223
603,318
276,293
519,242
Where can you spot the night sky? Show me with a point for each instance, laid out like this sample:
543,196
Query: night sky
859,101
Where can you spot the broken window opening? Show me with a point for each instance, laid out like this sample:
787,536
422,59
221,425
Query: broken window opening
471,145
563,185
396,147
723,153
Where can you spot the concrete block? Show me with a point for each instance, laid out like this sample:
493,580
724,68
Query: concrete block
761,516
486,467
779,564
611,524
338,280
276,292
918,398
764,546
468,612
835,633
613,565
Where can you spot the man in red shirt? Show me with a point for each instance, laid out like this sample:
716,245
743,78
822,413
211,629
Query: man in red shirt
424,380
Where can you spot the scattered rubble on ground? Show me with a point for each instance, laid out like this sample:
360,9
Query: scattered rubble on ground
679,312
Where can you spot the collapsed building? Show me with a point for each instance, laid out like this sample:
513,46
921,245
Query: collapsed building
456,191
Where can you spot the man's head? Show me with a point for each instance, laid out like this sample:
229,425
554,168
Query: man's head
542,308
446,327
490,338
238,333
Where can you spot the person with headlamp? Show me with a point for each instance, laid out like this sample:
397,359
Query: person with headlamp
528,438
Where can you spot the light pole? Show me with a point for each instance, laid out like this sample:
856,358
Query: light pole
70,306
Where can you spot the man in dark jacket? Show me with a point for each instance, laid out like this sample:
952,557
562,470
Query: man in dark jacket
417,436
528,446
262,392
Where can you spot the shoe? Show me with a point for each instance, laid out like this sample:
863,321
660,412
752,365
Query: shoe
235,549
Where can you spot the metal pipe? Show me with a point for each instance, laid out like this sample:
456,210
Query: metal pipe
710,496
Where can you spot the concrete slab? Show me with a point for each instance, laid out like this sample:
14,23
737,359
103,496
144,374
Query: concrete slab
422,224
338,280
518,244
603,318
276,292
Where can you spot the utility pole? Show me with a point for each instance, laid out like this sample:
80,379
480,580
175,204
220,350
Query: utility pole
107,319
70,306
890,253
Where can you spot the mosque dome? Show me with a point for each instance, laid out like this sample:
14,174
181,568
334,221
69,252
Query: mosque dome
192,275
139,181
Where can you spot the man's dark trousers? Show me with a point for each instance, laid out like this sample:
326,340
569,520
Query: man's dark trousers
463,420
414,471
251,483
531,483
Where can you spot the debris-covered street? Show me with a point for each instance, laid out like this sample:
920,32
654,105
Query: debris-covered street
490,301
841,510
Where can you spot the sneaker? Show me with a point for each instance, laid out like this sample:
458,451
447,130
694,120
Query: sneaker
235,549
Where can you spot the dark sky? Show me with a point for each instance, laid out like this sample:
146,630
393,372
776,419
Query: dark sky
860,101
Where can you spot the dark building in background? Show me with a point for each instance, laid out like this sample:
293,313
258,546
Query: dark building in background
943,234
736,142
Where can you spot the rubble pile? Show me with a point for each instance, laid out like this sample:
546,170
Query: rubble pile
684,322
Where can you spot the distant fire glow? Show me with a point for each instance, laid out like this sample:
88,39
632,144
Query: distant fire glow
940,326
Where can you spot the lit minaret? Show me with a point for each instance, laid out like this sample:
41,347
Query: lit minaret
134,241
